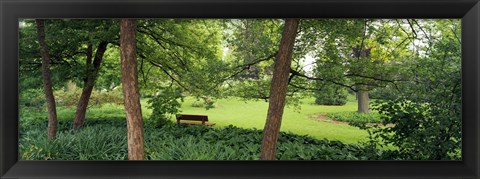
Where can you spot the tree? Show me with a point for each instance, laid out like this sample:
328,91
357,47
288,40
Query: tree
278,90
178,57
47,82
252,41
332,42
184,53
252,45
102,32
72,57
91,74
359,54
130,89
363,100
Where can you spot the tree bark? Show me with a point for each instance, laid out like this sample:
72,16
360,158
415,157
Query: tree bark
278,90
130,89
363,102
89,82
47,81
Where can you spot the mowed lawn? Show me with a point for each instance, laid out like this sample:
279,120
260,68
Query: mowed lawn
252,114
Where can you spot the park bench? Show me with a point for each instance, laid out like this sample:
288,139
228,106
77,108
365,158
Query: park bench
193,119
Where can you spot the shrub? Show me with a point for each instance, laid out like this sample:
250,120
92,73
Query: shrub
331,95
198,104
34,99
165,103
422,131
352,116
206,102
69,97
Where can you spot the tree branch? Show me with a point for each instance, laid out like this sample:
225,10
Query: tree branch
296,73
246,66
175,55
168,74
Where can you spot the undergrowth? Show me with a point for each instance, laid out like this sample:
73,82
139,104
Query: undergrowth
106,140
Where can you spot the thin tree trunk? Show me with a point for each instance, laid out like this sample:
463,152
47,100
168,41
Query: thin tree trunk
47,82
363,102
130,89
89,82
278,90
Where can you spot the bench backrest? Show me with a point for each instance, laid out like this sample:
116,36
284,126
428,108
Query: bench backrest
192,117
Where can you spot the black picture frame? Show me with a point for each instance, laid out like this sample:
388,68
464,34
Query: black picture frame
13,10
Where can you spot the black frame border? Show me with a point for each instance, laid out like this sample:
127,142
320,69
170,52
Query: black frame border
12,10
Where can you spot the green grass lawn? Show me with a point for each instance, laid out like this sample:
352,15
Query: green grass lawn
250,114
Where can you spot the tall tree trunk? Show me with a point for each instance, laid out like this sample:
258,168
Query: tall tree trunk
47,81
363,101
130,89
278,90
91,75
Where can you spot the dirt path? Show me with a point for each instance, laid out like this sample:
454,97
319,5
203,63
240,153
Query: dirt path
325,118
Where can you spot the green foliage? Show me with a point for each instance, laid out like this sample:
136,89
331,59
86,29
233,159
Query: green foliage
419,132
198,104
69,97
104,141
250,42
413,64
165,103
331,95
360,54
206,102
67,41
250,89
356,117
109,74
230,111
383,93
98,142
34,99
184,53
426,109
252,45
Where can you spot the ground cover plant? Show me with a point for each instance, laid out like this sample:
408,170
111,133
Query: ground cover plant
106,140
356,117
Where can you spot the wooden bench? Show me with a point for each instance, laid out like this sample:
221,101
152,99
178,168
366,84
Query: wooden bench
198,119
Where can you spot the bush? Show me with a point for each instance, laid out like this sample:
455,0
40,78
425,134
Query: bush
356,117
422,131
331,95
206,102
69,97
34,99
198,104
165,103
